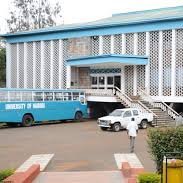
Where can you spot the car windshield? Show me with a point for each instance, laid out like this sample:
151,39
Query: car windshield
116,113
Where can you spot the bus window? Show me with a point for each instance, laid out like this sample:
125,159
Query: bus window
3,96
15,96
75,95
26,96
48,96
67,96
38,96
58,96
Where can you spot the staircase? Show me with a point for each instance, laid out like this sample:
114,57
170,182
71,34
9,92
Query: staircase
163,119
164,115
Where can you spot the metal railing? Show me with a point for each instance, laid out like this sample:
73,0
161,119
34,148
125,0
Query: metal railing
163,106
131,103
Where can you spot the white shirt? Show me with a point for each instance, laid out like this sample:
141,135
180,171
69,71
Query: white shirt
132,128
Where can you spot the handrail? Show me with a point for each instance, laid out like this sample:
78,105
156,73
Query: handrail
149,110
171,112
131,101
170,108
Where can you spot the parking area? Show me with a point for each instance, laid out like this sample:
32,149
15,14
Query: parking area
78,146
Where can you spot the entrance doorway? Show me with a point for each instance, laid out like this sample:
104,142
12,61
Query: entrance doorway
105,81
117,81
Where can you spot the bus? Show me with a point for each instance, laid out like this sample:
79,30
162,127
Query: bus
30,106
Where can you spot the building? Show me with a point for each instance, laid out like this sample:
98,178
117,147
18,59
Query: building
135,51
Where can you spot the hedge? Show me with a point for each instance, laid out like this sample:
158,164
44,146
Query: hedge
149,178
164,140
5,173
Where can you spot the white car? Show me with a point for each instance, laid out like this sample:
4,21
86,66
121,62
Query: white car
119,119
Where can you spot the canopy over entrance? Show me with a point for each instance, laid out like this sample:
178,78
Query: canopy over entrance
110,60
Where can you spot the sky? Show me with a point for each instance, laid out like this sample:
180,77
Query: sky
76,11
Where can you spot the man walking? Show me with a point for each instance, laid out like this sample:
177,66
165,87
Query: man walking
132,130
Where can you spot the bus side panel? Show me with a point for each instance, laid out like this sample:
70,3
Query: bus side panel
41,111
59,110
9,115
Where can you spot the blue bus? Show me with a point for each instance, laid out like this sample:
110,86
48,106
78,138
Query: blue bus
29,106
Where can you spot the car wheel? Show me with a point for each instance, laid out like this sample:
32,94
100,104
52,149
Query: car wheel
116,127
143,124
78,116
27,120
103,128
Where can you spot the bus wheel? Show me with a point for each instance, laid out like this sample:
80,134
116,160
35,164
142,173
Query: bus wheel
78,116
27,120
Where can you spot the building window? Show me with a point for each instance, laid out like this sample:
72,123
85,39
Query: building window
94,80
110,80
101,80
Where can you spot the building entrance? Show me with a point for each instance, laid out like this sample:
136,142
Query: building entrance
105,81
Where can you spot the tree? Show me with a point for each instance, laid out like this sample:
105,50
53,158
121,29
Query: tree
2,67
33,14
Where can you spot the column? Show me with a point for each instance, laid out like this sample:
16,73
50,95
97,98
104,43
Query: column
42,64
34,65
18,59
112,44
68,76
160,63
147,67
60,64
173,68
8,65
123,44
51,64
100,45
123,79
25,65
135,67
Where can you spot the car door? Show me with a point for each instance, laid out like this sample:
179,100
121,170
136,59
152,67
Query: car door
127,117
136,116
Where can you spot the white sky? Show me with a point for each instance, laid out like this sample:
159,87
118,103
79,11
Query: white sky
75,11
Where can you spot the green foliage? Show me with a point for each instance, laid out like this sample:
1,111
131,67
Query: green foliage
2,67
164,140
149,178
33,14
6,173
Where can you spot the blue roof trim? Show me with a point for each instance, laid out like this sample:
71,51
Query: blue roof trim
111,58
149,10
166,25
86,27
108,55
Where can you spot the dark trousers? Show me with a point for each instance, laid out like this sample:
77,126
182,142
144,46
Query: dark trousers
132,144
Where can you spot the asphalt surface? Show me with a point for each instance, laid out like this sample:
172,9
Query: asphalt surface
78,146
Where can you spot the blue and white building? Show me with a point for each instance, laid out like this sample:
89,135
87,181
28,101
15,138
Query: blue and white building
137,52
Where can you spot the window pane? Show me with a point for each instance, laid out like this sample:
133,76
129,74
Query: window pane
135,113
38,96
75,95
110,80
94,80
15,96
101,80
127,114
67,96
58,96
26,96
48,96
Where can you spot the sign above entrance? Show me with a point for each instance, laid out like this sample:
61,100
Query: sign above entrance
109,60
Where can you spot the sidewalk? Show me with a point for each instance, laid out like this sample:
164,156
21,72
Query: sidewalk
80,177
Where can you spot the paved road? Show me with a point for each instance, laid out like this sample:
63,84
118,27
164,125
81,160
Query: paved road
77,146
